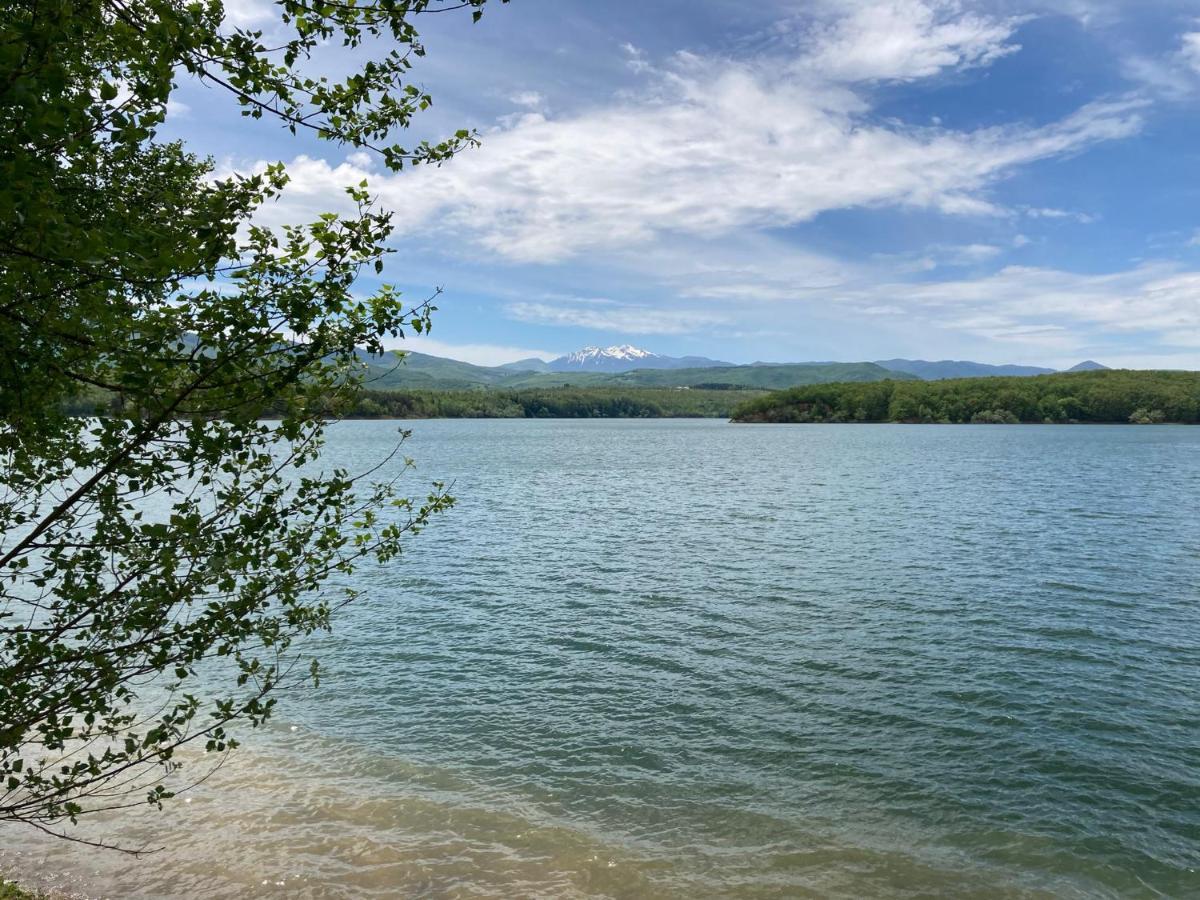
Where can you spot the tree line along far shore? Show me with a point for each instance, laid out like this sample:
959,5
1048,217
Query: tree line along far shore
1111,396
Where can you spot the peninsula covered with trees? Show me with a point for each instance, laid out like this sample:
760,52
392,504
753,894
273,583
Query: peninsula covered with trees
1111,396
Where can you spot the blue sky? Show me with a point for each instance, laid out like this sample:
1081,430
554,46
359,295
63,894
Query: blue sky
784,181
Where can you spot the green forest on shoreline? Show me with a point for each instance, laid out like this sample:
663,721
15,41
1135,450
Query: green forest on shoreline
552,403
527,403
1110,396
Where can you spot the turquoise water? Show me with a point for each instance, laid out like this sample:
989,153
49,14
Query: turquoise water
686,658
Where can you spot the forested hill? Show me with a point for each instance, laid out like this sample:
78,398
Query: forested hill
956,368
757,376
552,403
423,372
1108,396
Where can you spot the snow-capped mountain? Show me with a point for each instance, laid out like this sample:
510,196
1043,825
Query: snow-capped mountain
625,358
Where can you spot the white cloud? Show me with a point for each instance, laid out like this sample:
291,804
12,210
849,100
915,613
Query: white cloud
1175,76
1189,50
245,13
479,354
1017,314
1056,308
627,319
902,40
315,186
935,255
719,148
1123,359
635,58
1048,212
682,181
531,99
746,264
967,254
1089,13
712,147
1165,77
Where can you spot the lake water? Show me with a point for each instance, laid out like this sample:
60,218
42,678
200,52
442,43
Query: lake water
693,659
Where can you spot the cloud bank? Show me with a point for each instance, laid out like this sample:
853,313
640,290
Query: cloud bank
710,145
686,180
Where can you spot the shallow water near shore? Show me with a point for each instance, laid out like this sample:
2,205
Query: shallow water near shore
691,659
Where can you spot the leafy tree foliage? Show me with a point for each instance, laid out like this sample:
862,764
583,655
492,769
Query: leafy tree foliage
1105,396
157,562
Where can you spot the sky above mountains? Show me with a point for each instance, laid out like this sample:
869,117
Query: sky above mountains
1004,181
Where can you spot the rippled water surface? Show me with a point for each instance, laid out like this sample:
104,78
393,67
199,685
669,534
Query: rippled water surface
692,659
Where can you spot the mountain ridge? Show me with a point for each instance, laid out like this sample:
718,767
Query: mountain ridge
424,371
938,370
626,358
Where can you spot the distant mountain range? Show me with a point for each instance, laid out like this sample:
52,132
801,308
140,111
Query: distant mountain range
955,368
626,358
533,364
420,370
630,366
961,368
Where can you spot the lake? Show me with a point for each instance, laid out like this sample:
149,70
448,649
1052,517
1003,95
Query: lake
692,659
